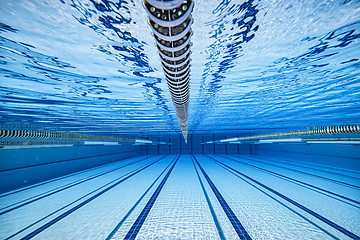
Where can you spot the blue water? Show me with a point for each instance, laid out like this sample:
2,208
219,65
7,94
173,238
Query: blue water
257,66
91,66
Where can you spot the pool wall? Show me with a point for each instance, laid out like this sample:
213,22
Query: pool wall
194,145
23,167
336,155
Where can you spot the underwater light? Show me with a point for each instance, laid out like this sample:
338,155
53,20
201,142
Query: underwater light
171,22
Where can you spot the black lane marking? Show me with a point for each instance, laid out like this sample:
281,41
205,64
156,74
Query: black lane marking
281,203
310,174
135,205
59,178
278,201
60,217
61,189
239,229
314,164
314,214
61,161
312,168
298,181
213,214
77,200
135,228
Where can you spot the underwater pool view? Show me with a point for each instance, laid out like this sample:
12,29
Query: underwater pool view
189,197
90,141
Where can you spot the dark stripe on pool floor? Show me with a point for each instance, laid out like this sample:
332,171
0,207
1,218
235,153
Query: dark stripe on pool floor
62,161
314,214
41,196
317,168
301,183
216,221
60,178
135,205
57,219
306,173
73,202
135,228
239,228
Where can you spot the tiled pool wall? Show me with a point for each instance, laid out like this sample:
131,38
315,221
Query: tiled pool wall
23,167
26,166
194,145
337,155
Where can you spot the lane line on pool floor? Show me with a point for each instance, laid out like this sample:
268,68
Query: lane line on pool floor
239,228
320,167
302,207
62,161
300,183
63,177
117,227
212,211
73,209
281,203
306,173
60,189
135,228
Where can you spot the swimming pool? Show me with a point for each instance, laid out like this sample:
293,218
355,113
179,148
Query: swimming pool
91,146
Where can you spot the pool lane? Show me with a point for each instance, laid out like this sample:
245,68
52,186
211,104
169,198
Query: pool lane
348,192
238,227
331,177
313,166
298,180
98,218
327,210
32,199
210,205
69,178
135,228
222,197
262,215
139,201
31,217
180,211
341,212
18,196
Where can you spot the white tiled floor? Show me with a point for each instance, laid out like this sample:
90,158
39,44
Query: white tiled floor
83,207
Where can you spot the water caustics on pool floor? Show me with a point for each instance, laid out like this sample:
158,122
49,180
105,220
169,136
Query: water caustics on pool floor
189,197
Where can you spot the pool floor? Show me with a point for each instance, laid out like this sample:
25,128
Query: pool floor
189,197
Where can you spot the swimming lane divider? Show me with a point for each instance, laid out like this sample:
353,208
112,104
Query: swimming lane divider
239,228
135,228
61,189
63,177
73,209
314,214
300,182
216,221
137,203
